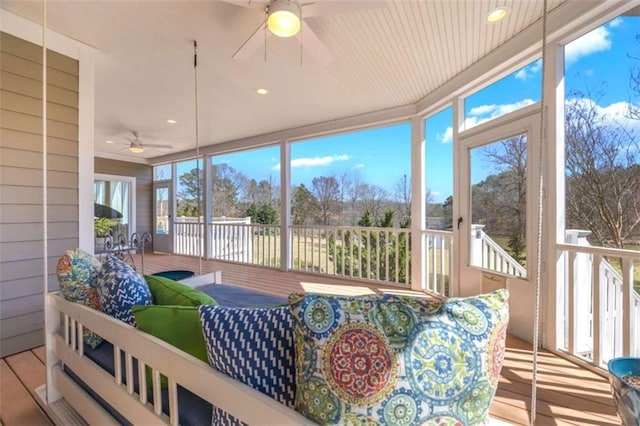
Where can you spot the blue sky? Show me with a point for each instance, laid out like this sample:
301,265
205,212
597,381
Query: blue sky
598,64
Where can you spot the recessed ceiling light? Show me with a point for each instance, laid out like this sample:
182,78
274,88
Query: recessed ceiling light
171,121
262,91
497,14
108,141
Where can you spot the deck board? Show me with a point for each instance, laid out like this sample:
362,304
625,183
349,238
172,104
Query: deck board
567,393
17,405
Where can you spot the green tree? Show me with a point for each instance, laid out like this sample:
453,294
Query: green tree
264,214
190,193
302,204
372,253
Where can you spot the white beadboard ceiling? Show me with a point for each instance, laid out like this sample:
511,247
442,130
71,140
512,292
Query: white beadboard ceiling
388,56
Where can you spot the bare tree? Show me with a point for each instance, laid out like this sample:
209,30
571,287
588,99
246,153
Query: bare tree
326,190
603,175
511,198
402,195
228,185
374,200
350,187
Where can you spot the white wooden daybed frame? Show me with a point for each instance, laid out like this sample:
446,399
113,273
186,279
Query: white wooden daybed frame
65,322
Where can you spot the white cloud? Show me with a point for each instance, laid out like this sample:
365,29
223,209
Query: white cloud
315,161
529,71
616,22
496,110
359,166
616,113
482,114
446,136
595,41
483,109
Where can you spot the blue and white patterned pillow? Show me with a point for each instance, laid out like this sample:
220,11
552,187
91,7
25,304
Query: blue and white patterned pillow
254,346
119,288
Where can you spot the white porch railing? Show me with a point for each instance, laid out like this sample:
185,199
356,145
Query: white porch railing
245,243
376,254
187,236
601,309
438,260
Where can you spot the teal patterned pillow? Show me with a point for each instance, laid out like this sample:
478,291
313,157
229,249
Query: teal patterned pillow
398,360
77,272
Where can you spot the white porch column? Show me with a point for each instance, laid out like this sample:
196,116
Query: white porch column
418,214
285,205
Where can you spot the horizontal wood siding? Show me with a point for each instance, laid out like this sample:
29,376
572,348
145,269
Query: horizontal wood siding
144,193
21,172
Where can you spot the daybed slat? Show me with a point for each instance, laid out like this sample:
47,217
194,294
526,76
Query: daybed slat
142,382
74,335
66,329
157,393
173,403
80,339
184,369
117,365
96,378
87,407
129,370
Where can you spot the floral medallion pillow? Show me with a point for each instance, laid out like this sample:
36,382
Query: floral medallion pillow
77,272
120,287
398,360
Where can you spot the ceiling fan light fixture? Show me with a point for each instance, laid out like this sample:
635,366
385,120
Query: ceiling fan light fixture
136,149
284,18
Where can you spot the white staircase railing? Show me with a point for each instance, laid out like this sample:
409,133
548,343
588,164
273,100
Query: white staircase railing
487,254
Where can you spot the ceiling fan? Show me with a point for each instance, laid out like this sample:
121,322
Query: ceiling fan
137,146
284,18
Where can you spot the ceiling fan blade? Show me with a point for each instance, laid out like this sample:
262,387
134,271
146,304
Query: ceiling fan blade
319,8
253,4
156,145
253,43
315,47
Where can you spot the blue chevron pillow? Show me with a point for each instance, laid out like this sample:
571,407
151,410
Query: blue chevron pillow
119,288
254,346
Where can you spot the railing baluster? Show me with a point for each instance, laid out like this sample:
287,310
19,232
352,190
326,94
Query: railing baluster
597,311
572,300
627,306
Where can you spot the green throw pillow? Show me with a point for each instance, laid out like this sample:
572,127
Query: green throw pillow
166,291
177,325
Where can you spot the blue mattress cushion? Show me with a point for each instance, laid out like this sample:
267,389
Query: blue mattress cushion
193,409
253,346
119,288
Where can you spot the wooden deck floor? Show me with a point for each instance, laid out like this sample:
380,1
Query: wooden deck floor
567,393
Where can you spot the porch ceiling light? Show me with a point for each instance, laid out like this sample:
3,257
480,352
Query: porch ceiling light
136,149
497,14
284,18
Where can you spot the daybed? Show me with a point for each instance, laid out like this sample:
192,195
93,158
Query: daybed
120,381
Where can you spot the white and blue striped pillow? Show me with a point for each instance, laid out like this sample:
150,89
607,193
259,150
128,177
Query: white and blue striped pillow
254,346
120,287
